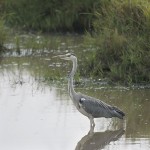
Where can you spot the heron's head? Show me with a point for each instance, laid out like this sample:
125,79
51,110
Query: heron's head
67,56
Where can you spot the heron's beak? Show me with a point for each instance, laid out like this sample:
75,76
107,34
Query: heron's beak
61,57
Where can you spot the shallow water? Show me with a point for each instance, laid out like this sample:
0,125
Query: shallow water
39,115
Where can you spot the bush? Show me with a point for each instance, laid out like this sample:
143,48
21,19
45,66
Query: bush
50,15
121,42
3,35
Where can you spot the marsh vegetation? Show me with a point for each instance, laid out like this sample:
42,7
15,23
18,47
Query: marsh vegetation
115,43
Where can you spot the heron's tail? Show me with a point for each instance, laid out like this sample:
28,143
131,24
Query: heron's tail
118,113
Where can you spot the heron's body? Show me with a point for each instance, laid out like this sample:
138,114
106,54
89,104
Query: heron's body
89,106
95,108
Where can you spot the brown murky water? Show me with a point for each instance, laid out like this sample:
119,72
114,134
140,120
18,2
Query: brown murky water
39,115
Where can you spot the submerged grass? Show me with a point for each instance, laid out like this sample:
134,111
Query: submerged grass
121,42
43,45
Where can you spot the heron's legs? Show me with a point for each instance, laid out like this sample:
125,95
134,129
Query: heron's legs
92,124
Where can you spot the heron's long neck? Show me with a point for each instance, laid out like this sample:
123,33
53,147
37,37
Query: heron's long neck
70,81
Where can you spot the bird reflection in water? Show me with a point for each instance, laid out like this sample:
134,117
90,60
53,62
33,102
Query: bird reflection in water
98,140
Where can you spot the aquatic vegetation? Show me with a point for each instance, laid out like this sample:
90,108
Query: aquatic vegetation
41,44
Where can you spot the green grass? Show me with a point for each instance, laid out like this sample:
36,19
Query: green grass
121,42
3,35
37,15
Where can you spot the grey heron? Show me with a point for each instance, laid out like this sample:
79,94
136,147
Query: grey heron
86,105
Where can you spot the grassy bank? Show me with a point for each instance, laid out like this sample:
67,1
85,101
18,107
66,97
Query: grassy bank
120,42
3,35
68,15
3,30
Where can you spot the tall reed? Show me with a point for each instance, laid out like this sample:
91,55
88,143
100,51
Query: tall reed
3,35
68,15
121,42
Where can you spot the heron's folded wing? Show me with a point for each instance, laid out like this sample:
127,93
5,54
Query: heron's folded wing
95,107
